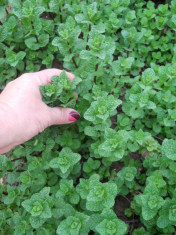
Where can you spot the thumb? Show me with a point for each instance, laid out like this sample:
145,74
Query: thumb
6,149
59,116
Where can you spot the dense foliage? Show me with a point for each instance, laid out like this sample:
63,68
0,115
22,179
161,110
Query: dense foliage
69,179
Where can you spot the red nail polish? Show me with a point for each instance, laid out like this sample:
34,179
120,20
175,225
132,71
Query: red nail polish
74,116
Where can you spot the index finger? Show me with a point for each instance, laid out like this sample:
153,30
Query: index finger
44,77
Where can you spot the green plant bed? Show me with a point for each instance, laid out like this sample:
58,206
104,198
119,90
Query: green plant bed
113,172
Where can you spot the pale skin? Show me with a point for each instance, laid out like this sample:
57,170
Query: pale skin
23,114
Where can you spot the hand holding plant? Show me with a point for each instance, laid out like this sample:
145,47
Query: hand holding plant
23,114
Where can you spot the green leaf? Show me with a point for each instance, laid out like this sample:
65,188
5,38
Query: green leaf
3,33
13,58
65,160
76,224
169,149
163,221
35,43
36,222
172,213
148,76
110,224
140,231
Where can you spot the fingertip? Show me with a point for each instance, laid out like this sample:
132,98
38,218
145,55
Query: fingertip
76,95
43,77
71,76
74,116
60,115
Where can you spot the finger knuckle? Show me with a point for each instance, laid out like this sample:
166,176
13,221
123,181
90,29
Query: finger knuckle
10,84
25,75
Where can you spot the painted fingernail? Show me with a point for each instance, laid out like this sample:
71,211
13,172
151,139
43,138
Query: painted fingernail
74,116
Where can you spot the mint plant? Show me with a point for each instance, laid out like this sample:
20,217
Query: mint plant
113,171
67,191
102,109
114,145
150,202
97,195
75,224
107,223
65,163
39,207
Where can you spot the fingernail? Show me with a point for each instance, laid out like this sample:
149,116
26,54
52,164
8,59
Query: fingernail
74,116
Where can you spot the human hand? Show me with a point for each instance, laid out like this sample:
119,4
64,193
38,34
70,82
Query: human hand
22,112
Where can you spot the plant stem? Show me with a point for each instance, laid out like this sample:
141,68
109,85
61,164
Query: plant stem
20,158
73,59
61,20
115,86
87,47
6,11
5,44
95,77
34,30
14,171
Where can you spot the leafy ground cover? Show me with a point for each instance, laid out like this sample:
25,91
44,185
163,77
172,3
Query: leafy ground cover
114,171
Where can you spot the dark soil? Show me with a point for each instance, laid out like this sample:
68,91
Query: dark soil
117,166
158,2
48,15
136,156
121,204
114,121
57,64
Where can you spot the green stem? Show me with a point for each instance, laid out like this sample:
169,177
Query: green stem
5,44
95,77
73,59
87,47
20,158
34,30
61,20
